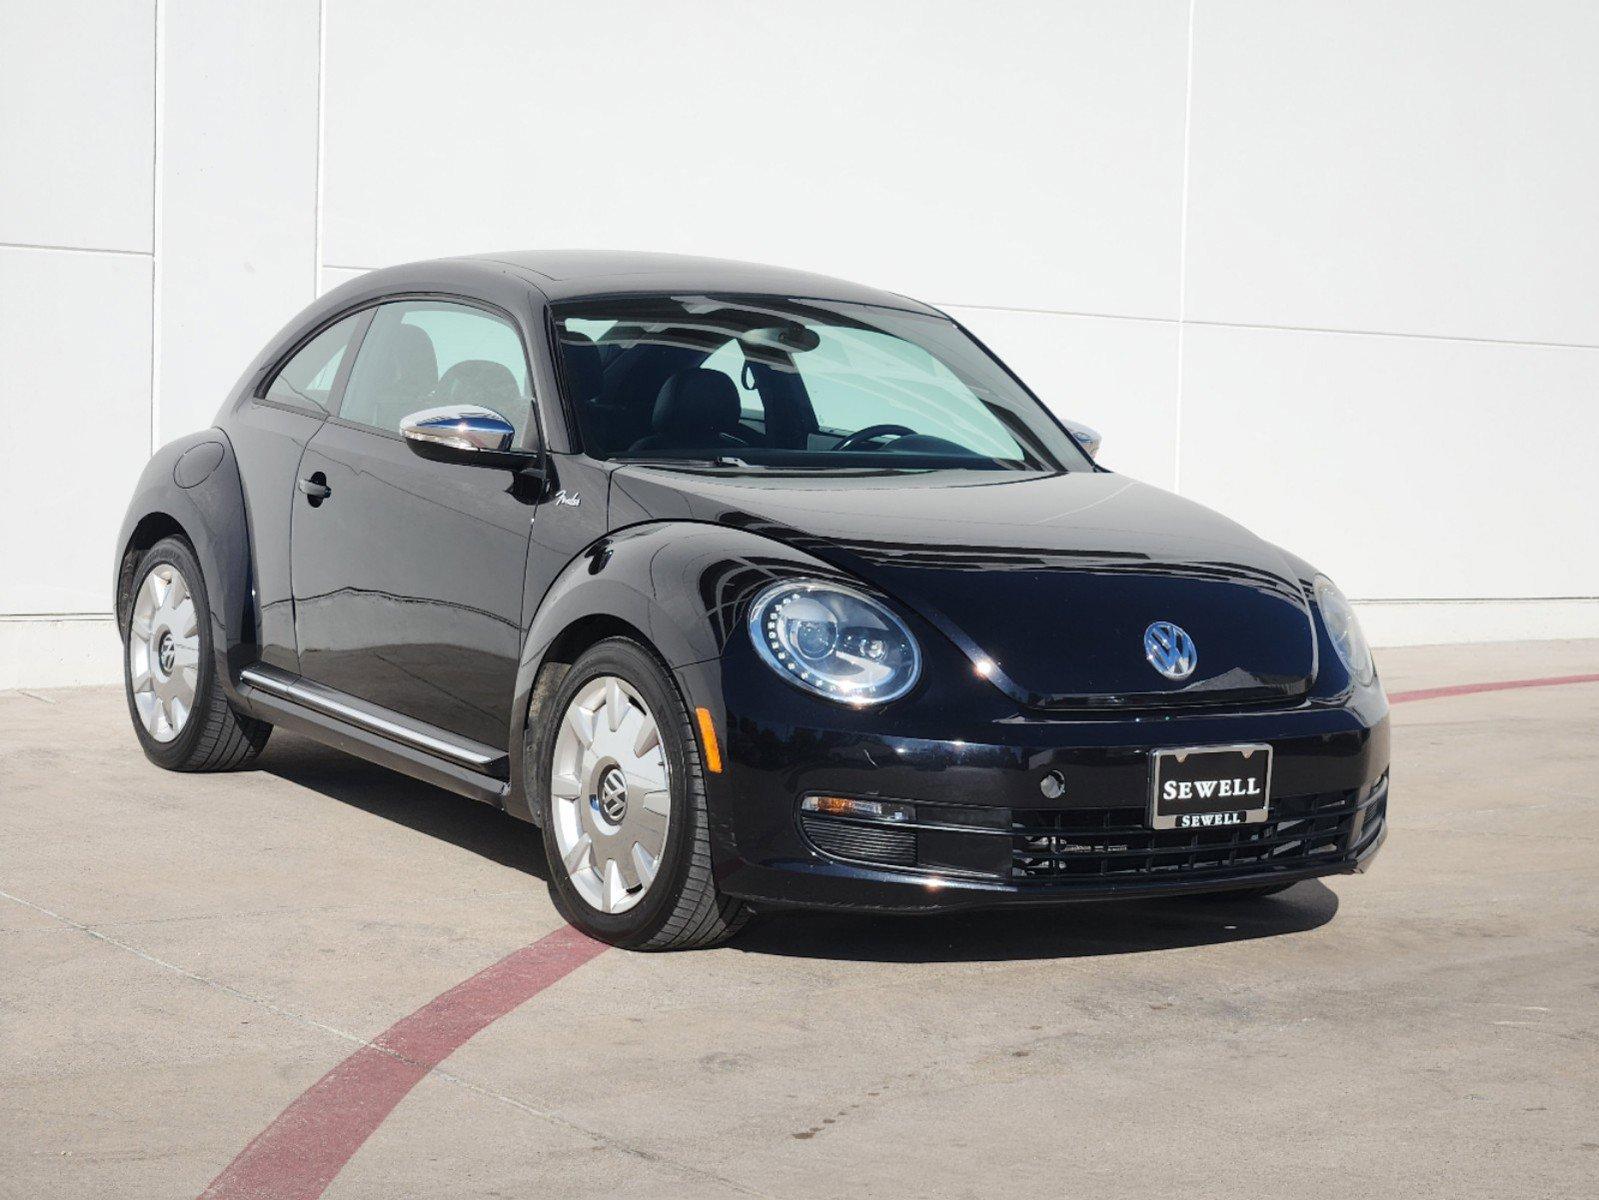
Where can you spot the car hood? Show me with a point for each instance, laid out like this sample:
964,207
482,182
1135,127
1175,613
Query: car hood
1047,583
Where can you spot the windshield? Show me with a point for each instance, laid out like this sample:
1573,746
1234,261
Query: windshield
773,383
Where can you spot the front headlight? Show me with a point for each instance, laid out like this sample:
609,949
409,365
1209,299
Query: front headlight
835,642
1344,630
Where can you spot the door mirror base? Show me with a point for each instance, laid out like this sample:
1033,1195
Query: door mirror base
1088,438
528,462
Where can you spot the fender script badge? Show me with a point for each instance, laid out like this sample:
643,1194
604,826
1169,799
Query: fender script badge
570,501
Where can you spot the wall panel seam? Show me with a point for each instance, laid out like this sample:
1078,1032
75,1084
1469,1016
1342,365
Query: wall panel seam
1082,314
1182,256
1203,323
158,109
47,247
321,143
54,616
1473,599
1382,333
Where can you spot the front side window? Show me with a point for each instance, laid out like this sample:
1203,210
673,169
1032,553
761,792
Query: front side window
427,353
307,379
773,382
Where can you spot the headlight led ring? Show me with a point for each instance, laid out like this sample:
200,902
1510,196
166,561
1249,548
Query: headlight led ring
834,641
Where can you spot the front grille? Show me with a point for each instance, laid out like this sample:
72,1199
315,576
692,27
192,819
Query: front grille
1066,845
862,842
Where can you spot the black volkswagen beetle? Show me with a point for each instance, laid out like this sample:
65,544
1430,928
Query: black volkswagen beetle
751,588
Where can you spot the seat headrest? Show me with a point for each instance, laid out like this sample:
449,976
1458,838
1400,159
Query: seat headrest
412,361
696,401
584,373
482,382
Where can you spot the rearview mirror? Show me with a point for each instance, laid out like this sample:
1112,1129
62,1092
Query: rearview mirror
1089,439
465,434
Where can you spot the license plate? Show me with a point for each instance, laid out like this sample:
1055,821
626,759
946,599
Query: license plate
1209,787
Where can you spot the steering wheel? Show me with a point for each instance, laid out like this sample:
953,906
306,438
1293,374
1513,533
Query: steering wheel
873,431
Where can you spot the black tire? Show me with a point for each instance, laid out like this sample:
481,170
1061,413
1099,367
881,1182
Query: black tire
681,908
214,737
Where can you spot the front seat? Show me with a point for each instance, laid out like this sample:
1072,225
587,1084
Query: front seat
610,426
483,383
696,409
392,379
585,376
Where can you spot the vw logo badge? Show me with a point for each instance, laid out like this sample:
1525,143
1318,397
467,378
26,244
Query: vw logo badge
1170,650
613,796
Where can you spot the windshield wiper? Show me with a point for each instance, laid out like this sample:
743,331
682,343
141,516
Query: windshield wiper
677,460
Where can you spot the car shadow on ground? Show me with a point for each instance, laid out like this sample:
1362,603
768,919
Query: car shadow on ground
1066,931
1086,930
429,810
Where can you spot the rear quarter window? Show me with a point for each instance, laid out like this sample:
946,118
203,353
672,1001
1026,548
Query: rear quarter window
307,380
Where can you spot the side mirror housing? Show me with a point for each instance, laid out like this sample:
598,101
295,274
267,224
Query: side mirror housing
467,435
1086,437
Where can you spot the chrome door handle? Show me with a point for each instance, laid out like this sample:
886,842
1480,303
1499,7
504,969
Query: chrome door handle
316,488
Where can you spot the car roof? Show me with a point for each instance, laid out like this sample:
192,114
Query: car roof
573,274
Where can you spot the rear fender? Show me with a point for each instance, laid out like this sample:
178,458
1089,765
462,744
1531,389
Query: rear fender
192,486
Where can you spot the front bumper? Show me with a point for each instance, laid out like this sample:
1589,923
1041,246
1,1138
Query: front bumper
986,834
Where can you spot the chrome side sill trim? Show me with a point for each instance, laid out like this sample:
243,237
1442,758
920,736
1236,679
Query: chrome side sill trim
336,704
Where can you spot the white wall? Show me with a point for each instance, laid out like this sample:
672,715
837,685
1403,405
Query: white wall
1328,268
77,240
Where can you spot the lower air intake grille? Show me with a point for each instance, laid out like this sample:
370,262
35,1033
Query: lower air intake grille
1060,845
865,843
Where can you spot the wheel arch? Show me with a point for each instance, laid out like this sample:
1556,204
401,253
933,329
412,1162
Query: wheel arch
150,529
191,488
676,587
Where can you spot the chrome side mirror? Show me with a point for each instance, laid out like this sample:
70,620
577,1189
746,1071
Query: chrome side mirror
1086,437
465,434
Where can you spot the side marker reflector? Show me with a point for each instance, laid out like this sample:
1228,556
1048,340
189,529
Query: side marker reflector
713,751
861,810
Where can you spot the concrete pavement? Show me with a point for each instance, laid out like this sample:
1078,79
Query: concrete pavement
183,956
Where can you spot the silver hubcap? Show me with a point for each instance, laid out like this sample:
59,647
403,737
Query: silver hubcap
163,652
610,798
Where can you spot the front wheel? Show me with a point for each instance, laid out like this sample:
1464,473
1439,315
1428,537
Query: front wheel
180,714
622,804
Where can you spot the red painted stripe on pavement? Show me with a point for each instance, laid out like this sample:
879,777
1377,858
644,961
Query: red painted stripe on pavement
1469,689
297,1156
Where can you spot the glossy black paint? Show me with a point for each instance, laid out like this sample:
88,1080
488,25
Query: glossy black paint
210,510
270,442
939,751
956,739
441,643
1079,563
454,594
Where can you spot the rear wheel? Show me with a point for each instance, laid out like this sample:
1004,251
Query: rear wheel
622,802
180,714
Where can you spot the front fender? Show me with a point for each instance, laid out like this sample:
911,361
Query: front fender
193,484
679,584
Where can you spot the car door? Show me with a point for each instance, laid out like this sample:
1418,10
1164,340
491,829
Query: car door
408,573
269,434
